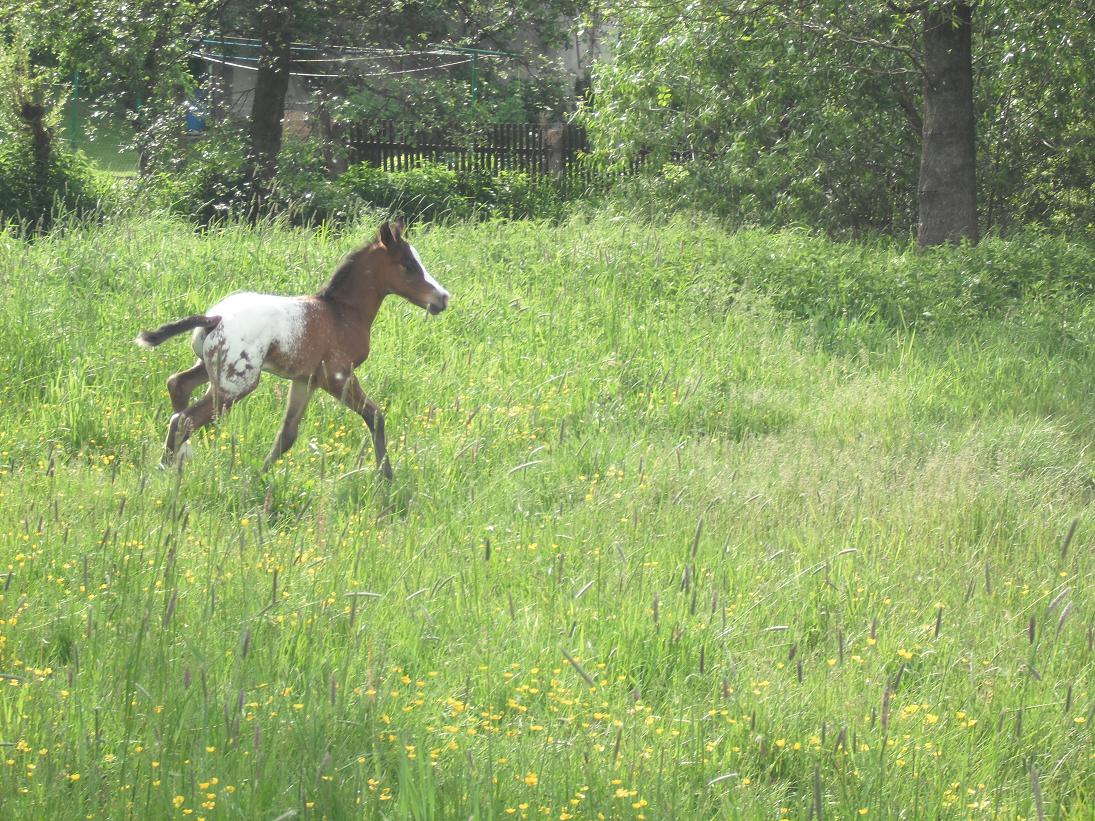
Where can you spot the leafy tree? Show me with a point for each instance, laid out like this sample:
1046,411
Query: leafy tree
947,191
136,52
1033,74
842,107
275,25
941,52
29,102
132,54
39,177
412,23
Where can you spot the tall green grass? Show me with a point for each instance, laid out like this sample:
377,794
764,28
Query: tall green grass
684,524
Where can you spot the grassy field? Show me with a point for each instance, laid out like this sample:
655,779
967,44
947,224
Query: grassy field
684,524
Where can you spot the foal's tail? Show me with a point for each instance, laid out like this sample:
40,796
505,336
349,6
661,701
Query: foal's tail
150,339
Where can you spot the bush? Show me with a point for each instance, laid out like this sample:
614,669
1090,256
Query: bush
431,191
40,179
34,198
745,189
210,182
428,191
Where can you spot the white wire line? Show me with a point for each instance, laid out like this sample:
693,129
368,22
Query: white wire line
414,70
354,53
387,55
375,58
207,58
210,59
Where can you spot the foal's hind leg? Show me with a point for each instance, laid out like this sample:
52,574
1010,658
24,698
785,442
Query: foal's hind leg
185,422
299,395
347,390
211,406
182,384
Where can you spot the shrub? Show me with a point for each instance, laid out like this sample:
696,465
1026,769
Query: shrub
427,191
40,178
743,188
210,182
431,191
35,197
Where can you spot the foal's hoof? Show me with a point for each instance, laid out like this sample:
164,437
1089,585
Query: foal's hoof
184,454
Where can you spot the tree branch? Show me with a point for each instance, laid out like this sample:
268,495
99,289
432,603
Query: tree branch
911,8
845,37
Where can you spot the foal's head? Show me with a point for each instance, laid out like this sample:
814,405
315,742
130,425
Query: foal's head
399,270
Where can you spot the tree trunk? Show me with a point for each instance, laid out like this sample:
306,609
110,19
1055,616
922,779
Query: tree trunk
271,87
149,143
948,182
33,115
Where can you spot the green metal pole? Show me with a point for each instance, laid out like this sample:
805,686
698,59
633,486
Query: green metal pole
474,79
74,111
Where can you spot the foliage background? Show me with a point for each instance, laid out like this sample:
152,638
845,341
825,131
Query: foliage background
807,120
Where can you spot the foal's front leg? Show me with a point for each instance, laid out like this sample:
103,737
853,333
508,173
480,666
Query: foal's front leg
299,395
344,387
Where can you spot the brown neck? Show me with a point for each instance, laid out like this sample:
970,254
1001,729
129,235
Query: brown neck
355,294
359,296
354,285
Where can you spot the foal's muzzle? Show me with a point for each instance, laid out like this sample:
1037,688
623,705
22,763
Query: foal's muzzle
438,304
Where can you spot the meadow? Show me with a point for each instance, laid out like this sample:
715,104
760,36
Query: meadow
685,523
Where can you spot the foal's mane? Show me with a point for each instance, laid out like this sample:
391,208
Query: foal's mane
343,272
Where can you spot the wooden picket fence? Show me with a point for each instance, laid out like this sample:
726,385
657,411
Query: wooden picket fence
534,149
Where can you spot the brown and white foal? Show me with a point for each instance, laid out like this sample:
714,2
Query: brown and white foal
314,341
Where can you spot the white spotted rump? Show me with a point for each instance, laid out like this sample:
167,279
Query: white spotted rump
235,351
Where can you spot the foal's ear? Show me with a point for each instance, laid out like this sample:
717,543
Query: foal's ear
385,237
391,233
